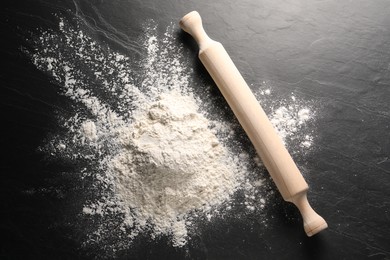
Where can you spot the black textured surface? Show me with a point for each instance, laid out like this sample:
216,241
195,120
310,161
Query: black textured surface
335,53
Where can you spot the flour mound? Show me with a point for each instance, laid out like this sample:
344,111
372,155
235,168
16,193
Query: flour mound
171,164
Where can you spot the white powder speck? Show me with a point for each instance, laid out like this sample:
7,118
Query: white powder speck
88,129
61,146
265,92
303,114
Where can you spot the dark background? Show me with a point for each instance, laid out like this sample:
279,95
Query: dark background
335,53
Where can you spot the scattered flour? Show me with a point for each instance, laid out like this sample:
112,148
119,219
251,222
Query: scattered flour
289,118
88,129
156,160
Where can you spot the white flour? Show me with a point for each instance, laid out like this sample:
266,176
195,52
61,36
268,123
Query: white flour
171,163
157,160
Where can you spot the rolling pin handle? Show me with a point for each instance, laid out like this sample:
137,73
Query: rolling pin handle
312,222
192,24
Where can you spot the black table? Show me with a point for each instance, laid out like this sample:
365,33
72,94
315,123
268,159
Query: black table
334,54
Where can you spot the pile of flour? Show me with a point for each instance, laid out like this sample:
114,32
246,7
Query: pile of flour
157,160
171,164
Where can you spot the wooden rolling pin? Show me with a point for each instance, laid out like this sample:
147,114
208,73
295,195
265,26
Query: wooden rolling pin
255,122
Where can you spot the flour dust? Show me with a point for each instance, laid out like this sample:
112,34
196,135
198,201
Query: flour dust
155,160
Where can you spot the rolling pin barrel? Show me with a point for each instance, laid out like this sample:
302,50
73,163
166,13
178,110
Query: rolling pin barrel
254,121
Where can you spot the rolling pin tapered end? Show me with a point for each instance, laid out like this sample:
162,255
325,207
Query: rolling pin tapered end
315,226
312,222
189,21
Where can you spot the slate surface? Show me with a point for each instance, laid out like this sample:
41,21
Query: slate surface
334,53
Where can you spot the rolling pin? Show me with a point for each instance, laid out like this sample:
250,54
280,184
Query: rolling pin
255,122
